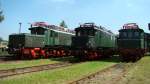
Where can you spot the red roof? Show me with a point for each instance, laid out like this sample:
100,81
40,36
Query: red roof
40,24
130,26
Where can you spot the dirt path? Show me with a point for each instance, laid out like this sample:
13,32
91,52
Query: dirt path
111,75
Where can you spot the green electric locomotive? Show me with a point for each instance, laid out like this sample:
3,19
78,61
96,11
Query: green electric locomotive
27,45
58,42
132,42
43,41
93,42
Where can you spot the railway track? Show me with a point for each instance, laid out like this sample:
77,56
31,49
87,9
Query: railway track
4,57
110,75
18,71
8,58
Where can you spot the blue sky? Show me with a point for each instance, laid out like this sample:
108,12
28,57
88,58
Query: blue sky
111,14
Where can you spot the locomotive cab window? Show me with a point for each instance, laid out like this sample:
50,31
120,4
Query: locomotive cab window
81,33
136,34
124,34
130,34
85,33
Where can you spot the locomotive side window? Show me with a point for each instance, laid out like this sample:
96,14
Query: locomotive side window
56,34
51,33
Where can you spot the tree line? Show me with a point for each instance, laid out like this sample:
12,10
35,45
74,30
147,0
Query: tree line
1,15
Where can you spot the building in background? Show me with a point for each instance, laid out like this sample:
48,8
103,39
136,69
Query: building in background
3,44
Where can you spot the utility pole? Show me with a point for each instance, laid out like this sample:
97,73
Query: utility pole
20,27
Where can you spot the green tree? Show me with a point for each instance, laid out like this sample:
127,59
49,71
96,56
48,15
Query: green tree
63,24
1,16
1,39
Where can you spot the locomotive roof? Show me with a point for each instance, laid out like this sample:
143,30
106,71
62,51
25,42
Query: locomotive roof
92,26
62,31
54,28
105,30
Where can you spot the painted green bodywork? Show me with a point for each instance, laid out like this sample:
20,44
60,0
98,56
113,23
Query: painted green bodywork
131,41
147,40
54,38
25,40
104,40
93,37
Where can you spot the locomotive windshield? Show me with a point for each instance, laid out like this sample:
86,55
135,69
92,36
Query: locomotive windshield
130,34
86,29
88,32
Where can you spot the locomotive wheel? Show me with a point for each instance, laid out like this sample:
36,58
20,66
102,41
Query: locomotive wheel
51,54
42,53
33,54
69,53
63,53
54,53
46,54
92,55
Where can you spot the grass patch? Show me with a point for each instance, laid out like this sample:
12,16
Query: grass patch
58,76
3,53
26,63
139,73
34,62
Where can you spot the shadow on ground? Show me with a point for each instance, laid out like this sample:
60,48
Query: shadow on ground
66,59
115,59
72,59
